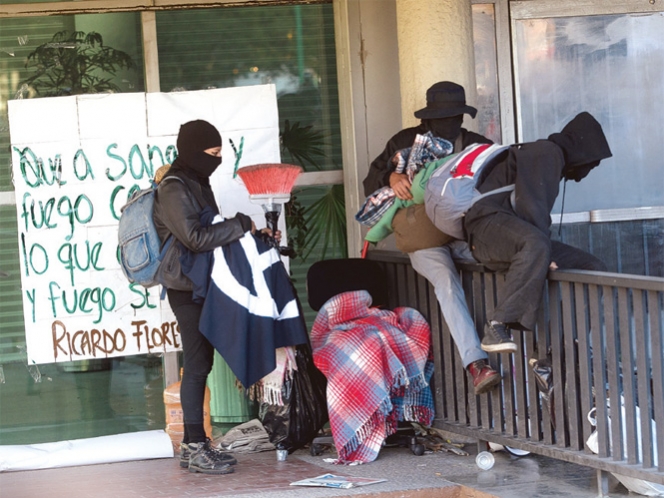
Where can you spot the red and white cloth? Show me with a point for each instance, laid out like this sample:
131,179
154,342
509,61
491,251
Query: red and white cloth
370,355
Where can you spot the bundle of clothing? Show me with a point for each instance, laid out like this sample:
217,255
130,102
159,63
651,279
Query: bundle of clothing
378,365
409,161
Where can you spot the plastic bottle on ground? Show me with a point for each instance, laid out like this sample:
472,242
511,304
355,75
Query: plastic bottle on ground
484,460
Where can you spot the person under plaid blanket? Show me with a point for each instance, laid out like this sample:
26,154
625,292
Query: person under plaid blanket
378,366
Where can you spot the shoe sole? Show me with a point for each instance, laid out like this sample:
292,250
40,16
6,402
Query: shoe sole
499,348
488,384
225,470
184,464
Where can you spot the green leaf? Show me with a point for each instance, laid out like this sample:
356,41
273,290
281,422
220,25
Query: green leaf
75,63
304,145
326,219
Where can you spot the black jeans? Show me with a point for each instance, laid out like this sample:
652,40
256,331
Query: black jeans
504,242
198,357
572,258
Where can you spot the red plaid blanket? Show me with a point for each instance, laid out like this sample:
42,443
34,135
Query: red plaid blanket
369,355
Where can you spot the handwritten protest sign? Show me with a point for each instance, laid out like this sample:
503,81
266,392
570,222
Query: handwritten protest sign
75,162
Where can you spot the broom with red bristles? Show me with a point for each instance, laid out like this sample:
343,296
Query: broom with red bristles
270,185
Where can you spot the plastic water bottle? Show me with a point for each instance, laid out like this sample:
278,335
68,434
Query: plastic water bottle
484,460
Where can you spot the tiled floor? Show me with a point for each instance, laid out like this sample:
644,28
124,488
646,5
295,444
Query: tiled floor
440,474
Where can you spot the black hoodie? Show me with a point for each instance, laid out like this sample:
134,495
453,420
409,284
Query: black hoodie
584,146
536,168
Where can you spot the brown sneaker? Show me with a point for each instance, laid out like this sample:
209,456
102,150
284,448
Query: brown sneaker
484,377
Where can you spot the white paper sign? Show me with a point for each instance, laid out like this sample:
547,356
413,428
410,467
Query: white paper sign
75,160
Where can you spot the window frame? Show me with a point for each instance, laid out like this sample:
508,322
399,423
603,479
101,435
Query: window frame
148,9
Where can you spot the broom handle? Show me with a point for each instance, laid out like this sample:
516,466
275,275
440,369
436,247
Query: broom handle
272,221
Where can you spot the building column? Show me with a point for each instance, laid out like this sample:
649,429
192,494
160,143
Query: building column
435,44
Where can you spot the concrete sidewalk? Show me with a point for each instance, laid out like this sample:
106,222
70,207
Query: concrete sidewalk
439,474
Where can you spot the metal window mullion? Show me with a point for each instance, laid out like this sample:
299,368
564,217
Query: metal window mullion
150,51
538,9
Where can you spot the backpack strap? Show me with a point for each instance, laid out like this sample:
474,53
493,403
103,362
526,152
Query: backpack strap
506,188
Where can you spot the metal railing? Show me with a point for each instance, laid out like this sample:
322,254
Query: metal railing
601,339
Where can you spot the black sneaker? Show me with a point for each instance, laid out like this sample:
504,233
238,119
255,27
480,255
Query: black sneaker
185,453
497,340
206,459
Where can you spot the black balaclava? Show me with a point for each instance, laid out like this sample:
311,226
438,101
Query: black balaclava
584,146
193,139
447,128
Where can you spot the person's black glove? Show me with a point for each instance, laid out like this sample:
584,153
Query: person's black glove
245,221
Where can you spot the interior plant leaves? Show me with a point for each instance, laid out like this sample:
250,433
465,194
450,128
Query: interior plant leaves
303,144
75,63
325,222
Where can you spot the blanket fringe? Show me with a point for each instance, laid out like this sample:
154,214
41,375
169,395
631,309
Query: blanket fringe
417,383
365,430
400,379
418,414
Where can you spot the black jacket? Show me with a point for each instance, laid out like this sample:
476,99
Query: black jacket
536,168
381,168
177,209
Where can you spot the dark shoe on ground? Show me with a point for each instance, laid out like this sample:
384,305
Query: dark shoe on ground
497,340
484,377
202,457
185,453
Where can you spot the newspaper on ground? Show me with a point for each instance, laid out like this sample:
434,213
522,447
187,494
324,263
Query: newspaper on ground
334,481
250,437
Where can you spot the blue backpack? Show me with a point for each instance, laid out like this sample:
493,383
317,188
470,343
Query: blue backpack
139,246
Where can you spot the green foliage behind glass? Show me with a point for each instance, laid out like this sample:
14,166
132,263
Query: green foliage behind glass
75,63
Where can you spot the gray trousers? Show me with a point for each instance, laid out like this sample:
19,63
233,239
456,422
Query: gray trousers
437,266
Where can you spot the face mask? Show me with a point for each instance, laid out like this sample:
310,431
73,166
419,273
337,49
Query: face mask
204,164
193,139
447,128
578,173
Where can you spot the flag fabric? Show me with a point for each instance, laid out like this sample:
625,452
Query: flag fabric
250,307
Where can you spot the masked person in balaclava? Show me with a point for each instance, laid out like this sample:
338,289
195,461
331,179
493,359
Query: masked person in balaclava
432,253
512,234
178,204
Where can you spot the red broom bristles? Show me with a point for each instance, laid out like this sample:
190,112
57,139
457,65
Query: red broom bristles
269,178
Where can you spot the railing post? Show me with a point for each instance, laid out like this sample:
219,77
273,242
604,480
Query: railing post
602,484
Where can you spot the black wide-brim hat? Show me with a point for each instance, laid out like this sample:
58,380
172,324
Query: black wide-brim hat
444,100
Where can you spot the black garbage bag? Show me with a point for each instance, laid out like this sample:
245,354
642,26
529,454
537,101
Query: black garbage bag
304,412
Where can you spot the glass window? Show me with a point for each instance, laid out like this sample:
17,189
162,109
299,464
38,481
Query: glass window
610,66
290,46
53,402
319,233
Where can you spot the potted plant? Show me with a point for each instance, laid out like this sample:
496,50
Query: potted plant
75,63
